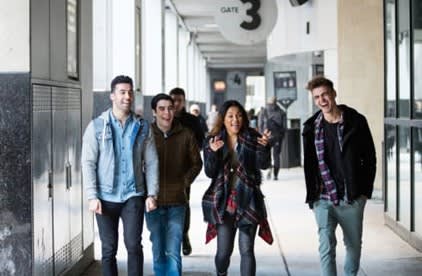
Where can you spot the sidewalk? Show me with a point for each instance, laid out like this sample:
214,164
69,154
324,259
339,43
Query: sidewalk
295,247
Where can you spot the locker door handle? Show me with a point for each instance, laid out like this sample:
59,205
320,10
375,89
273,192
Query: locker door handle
70,176
68,180
50,184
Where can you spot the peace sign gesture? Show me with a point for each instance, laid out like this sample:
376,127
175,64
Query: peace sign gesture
216,143
265,138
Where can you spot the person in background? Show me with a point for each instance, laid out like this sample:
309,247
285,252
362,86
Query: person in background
118,151
212,117
340,166
139,110
195,110
179,164
274,119
233,157
191,122
253,119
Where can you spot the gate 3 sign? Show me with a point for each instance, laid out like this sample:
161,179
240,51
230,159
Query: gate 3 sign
246,22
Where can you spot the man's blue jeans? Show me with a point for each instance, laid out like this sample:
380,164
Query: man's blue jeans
350,218
132,214
166,227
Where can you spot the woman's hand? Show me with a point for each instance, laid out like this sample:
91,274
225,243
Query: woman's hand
216,143
265,138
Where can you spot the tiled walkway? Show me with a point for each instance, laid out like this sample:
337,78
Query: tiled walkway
295,249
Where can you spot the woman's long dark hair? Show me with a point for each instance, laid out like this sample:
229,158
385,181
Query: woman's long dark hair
219,124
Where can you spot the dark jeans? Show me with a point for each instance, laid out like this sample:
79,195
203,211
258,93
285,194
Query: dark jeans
276,151
226,233
132,214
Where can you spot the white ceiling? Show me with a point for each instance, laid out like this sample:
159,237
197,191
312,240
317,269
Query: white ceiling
218,51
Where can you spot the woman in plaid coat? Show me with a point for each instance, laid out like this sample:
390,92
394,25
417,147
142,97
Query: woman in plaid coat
233,156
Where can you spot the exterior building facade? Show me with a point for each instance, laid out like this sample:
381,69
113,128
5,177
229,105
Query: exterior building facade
402,119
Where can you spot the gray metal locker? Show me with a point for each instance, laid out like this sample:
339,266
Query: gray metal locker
60,190
74,171
57,181
67,186
42,181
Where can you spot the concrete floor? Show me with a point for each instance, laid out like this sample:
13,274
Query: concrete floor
295,247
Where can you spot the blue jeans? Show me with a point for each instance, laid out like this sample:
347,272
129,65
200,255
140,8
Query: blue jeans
226,233
132,214
166,227
350,218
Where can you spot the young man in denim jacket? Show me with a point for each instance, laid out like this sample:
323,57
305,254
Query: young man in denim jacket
120,174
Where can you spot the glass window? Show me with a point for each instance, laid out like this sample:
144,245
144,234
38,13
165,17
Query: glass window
391,172
404,173
417,166
417,57
390,44
403,39
72,39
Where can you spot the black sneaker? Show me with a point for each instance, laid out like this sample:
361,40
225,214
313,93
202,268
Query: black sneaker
186,247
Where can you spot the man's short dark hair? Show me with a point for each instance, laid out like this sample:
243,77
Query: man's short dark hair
177,91
158,98
120,79
319,81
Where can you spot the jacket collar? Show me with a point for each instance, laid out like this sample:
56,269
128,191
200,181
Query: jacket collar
175,128
106,116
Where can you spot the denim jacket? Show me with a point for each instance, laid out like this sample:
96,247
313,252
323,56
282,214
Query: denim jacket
98,161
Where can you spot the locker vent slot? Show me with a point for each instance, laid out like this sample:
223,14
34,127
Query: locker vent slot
41,98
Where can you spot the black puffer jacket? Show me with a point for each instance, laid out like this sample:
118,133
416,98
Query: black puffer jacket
358,157
192,122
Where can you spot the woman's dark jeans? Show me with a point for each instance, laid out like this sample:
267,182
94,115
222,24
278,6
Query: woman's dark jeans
132,214
226,233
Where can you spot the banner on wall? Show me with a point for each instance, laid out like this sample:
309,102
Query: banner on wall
285,88
246,22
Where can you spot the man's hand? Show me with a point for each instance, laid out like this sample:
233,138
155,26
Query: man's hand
151,203
95,206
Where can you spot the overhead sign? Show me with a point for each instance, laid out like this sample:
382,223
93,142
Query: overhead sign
246,22
285,88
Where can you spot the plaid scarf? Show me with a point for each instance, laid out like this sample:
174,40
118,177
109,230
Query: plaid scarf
329,191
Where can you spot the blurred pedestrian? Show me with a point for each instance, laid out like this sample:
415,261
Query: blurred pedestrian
274,119
212,117
195,110
191,122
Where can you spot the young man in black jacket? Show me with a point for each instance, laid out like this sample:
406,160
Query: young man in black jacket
339,165
192,122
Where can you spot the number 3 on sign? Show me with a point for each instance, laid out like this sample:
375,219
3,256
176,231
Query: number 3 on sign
252,12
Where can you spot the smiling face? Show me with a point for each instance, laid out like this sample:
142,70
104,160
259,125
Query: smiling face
122,98
324,99
164,114
233,120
